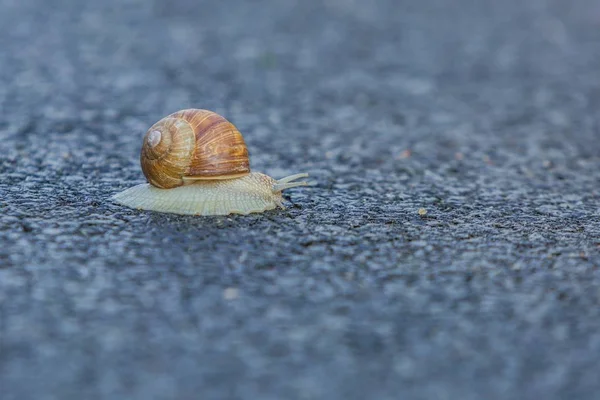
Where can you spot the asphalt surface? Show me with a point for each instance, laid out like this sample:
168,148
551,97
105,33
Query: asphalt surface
486,114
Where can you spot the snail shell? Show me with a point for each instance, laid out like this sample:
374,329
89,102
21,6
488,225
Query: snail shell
196,162
193,145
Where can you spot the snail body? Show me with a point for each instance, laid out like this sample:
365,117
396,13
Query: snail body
252,193
196,162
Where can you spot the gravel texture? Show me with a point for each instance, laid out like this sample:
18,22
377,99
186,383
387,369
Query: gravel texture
485,114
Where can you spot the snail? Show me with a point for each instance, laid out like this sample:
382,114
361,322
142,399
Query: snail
196,163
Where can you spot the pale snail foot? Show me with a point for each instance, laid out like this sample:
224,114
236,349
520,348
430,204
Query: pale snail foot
253,193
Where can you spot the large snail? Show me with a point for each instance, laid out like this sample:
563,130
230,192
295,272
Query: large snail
196,162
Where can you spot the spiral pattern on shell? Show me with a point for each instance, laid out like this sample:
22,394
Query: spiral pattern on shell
193,145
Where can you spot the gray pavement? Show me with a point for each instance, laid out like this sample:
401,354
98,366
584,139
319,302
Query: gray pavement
484,113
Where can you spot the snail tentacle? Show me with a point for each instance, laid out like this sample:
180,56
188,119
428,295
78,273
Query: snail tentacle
278,187
288,182
292,177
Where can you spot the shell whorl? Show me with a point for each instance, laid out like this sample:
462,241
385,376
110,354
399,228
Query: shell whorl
166,152
193,145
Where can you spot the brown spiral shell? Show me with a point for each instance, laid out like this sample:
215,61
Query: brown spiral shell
192,145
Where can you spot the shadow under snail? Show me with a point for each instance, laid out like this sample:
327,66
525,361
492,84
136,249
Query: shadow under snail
196,163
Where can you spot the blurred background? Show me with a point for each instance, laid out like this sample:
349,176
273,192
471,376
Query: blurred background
371,80
482,113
